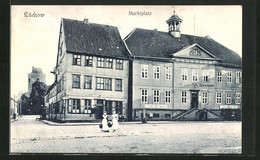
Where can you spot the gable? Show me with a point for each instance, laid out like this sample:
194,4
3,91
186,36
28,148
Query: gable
194,51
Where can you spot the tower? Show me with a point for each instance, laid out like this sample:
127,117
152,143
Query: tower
35,75
174,23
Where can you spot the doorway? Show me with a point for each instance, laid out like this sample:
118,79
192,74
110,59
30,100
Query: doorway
100,106
194,99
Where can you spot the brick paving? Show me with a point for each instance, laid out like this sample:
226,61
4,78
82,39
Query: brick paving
30,136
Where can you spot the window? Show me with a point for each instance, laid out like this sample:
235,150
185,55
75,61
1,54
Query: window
87,107
144,97
204,97
168,73
184,74
87,82
104,62
194,75
228,98
183,96
156,72
119,64
205,75
75,81
144,70
109,63
76,59
156,115
89,61
156,96
218,97
238,98
167,96
118,85
219,76
100,62
229,77
238,77
75,105
104,83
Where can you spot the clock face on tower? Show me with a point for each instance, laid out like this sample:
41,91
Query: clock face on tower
195,52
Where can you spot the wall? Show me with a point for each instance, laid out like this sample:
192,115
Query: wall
212,86
150,84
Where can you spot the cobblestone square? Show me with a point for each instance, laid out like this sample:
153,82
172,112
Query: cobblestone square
31,136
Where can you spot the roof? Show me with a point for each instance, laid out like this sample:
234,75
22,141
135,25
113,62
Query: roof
49,88
94,39
152,43
174,18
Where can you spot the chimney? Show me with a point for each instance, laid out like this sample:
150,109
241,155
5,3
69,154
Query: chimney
85,20
207,36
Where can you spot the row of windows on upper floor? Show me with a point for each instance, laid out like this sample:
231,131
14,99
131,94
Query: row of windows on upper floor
219,95
102,83
205,96
101,62
184,74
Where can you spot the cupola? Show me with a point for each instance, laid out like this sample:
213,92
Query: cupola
174,23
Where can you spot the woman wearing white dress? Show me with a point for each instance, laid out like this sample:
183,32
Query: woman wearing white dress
104,123
114,121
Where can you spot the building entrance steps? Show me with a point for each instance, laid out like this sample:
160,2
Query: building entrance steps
181,115
198,114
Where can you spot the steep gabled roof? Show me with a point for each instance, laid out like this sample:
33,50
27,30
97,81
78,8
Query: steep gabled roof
152,43
94,39
49,89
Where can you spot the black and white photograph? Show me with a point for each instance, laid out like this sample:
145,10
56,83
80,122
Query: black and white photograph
153,79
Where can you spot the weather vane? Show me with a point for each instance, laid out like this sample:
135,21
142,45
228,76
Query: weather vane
173,9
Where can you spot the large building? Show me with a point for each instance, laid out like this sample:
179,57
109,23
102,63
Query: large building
35,75
91,73
178,76
168,75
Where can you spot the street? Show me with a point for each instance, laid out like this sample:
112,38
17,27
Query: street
31,136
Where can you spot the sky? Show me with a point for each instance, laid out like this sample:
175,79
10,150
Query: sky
34,41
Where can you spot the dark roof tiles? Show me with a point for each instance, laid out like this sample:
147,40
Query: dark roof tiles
94,39
151,43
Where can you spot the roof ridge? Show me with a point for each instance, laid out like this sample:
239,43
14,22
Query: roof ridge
90,23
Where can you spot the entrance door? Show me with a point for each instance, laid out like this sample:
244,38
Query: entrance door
99,106
194,99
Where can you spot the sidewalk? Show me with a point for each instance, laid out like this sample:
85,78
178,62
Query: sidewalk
51,123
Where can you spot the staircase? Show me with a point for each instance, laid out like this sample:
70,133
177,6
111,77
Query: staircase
181,116
194,114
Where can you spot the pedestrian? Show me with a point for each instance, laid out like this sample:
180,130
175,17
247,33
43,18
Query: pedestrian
144,120
104,123
115,123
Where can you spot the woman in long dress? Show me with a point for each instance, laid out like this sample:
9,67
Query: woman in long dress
104,123
114,121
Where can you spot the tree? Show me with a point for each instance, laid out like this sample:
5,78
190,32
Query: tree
26,107
36,97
